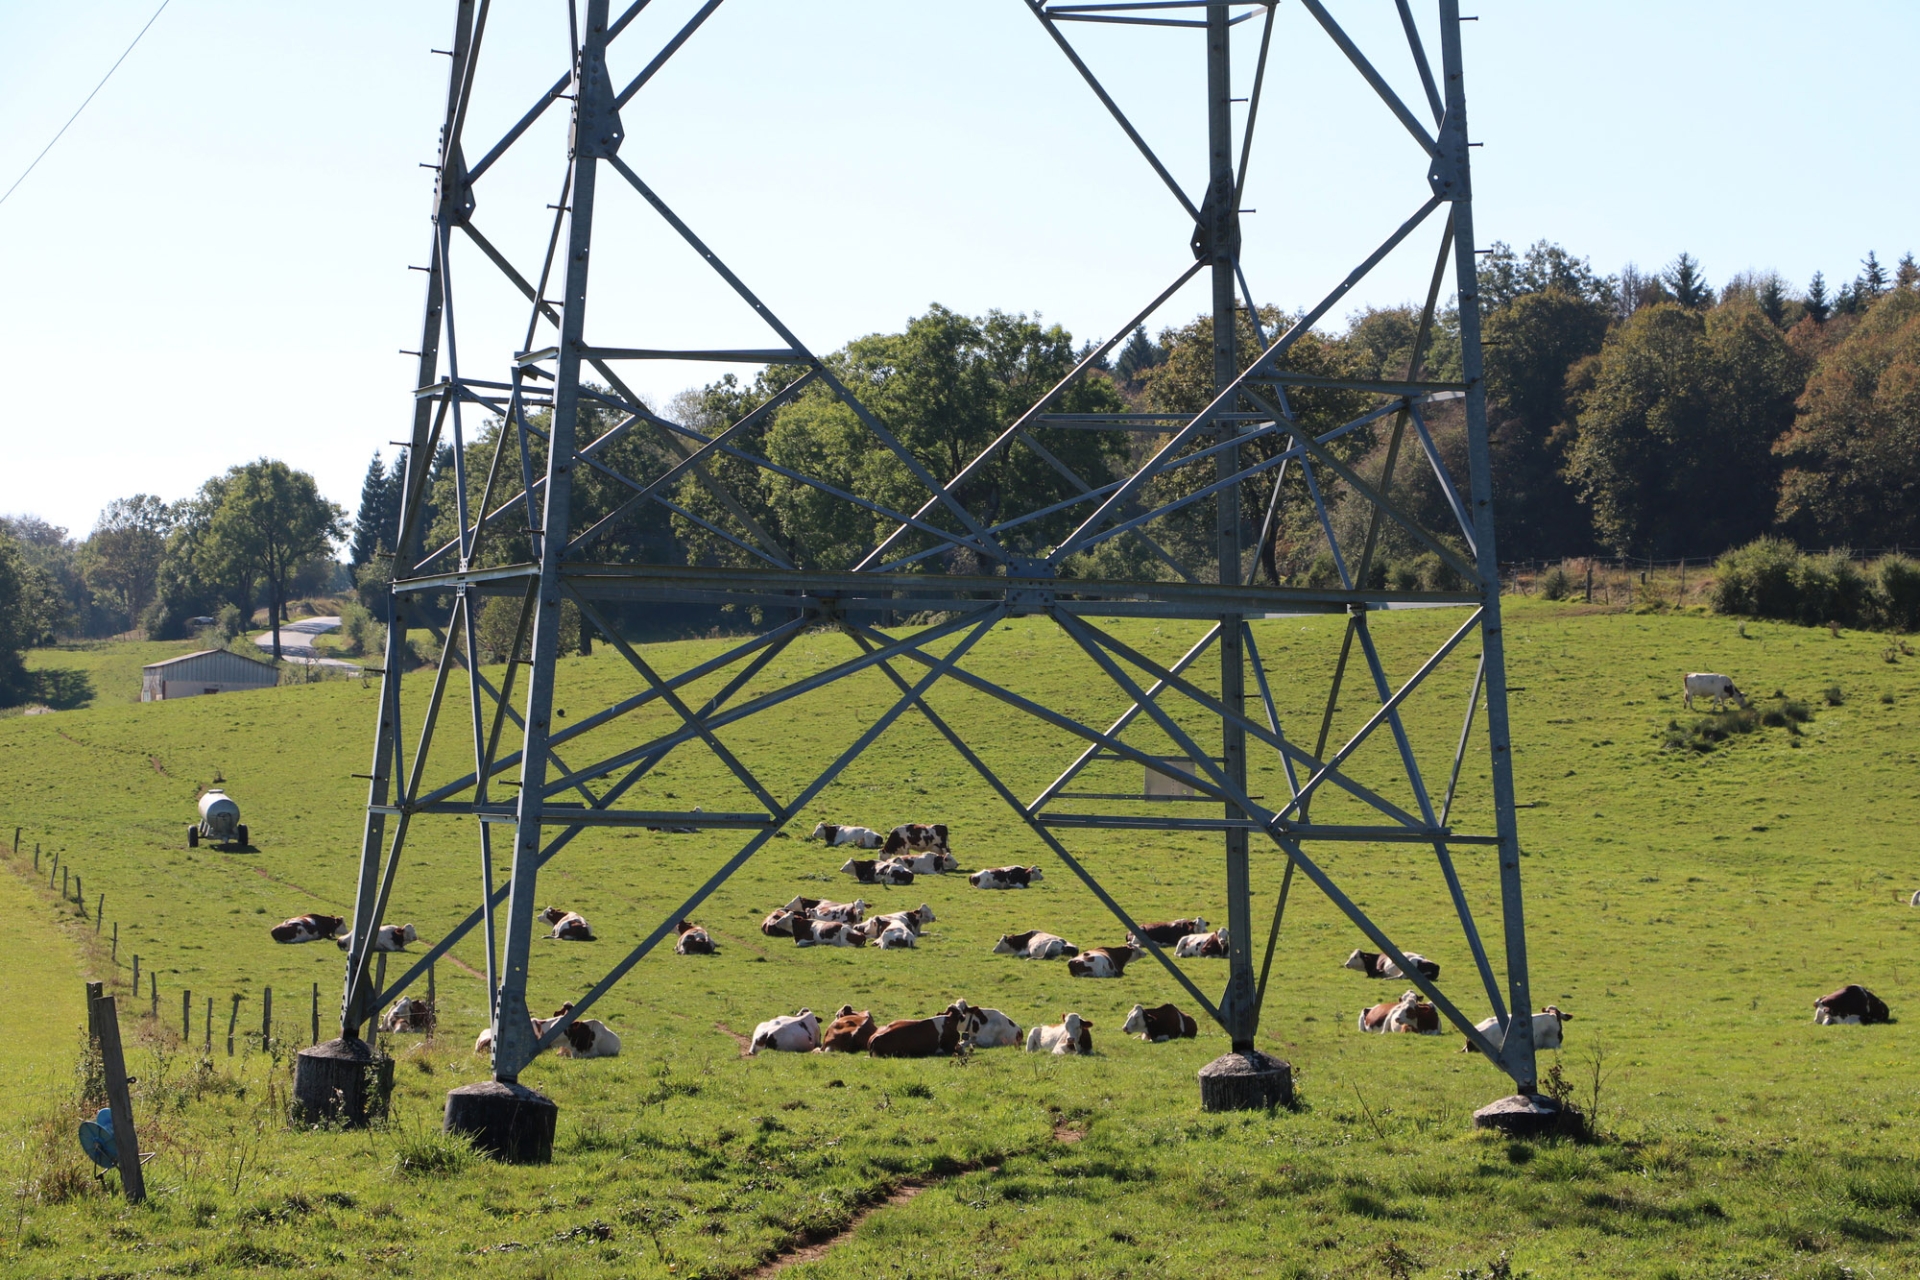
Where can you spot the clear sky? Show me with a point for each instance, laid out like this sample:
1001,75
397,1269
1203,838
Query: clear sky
212,265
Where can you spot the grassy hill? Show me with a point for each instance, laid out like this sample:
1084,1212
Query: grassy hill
1685,907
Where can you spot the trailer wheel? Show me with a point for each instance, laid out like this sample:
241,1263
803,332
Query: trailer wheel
193,837
241,832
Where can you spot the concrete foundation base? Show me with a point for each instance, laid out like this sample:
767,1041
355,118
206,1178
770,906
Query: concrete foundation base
1528,1115
1249,1081
509,1121
341,1082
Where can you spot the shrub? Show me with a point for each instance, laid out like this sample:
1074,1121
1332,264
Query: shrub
1320,572
1437,575
1406,576
1897,593
1833,695
1757,579
1556,583
361,634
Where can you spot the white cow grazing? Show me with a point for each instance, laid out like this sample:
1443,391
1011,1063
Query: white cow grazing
836,835
1546,1029
796,1033
1706,684
992,1029
1068,1037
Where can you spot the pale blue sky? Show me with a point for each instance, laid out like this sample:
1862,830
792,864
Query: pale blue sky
212,264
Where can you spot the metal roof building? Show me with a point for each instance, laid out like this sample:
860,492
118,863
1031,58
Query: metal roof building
209,671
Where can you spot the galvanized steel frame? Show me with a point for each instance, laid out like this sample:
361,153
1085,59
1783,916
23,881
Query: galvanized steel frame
1251,405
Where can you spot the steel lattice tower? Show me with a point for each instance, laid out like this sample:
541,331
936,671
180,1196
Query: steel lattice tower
1248,432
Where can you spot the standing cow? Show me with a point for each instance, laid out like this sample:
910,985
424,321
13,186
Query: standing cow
1706,684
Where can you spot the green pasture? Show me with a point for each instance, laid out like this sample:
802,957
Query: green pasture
1686,908
88,673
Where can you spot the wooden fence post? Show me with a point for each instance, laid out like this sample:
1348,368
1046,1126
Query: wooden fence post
209,1049
186,1016
99,914
116,944
16,842
433,1005
36,857
153,989
233,1020
136,973
66,887
316,1014
94,992
132,1179
266,1017
79,896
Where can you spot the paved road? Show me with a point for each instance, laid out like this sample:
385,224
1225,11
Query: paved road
296,642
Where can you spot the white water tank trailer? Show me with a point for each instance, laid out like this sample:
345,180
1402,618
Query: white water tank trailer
219,821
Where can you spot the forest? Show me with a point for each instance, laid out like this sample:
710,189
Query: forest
1644,415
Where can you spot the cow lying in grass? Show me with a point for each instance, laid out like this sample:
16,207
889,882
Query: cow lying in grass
921,1037
1409,1013
1073,1034
1157,1025
388,937
849,1031
1210,946
1546,1029
1005,877
568,926
1101,962
787,1033
918,837
693,941
878,871
1168,932
583,1038
835,835
407,1014
1376,965
1034,945
1852,1006
308,928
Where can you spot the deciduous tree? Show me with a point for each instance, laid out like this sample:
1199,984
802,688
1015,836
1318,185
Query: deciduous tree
270,523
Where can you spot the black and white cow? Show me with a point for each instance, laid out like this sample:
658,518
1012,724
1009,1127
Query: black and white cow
568,926
1707,684
693,941
916,837
388,937
1376,965
835,835
878,871
1211,946
1168,932
1101,962
308,928
1034,944
1005,877
1164,1023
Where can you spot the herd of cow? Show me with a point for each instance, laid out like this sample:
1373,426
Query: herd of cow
921,849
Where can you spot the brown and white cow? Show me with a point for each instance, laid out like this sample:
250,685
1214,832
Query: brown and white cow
1546,1029
1101,962
1376,965
835,835
917,837
568,926
388,937
787,1033
1004,877
583,1038
1852,1006
1211,946
921,1037
1073,1034
1382,1017
877,871
1163,1023
849,1031
308,928
407,1014
693,940
844,912
779,923
827,933
1034,944
1168,932
932,863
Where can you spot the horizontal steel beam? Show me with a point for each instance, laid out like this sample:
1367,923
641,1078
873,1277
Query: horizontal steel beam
560,815
774,355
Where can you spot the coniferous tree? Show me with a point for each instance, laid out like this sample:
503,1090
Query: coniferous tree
1138,355
1908,275
1690,289
371,527
1819,306
1872,280
1848,301
1772,300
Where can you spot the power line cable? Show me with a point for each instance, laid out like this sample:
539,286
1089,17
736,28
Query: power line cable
83,106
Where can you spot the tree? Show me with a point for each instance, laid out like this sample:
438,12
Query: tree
1908,276
30,608
1690,288
1139,354
271,522
1819,306
1772,300
1505,276
1676,420
1872,280
121,558
376,523
1853,454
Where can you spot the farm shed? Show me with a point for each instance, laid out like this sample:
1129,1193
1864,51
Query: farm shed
208,671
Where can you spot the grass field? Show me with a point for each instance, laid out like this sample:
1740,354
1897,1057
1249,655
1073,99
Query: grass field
1686,908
